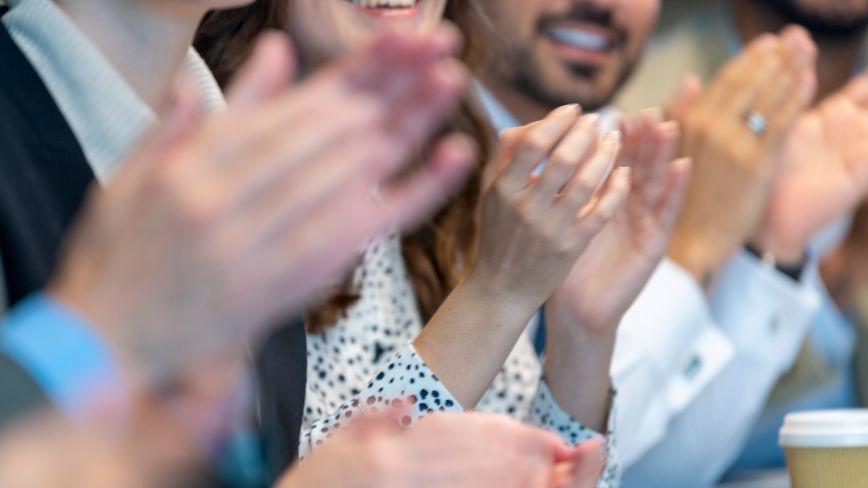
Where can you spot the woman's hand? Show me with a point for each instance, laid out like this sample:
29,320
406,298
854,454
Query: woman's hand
733,166
535,226
448,450
583,315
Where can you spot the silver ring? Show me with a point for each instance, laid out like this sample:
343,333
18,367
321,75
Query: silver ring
756,123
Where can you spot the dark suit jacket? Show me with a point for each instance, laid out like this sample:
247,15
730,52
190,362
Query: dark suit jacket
45,177
20,394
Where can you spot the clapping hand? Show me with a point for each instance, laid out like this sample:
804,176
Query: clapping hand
611,273
216,228
823,173
734,132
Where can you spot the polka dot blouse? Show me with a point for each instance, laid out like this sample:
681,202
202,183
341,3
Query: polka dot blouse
366,361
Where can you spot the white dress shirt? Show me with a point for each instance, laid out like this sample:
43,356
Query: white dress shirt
692,373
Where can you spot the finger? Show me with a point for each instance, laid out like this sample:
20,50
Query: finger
355,111
738,91
649,175
536,146
601,210
677,177
386,56
685,99
799,40
507,143
269,71
779,127
591,177
562,476
857,90
415,198
589,463
422,112
335,145
632,133
800,59
566,160
406,49
278,190
741,71
771,97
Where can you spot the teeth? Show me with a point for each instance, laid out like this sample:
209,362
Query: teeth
384,3
579,38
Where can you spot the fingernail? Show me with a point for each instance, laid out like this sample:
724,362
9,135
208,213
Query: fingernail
765,42
612,137
571,109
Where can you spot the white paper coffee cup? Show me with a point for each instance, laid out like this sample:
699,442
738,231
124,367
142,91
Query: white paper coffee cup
827,449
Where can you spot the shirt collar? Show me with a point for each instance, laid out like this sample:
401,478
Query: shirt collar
104,112
496,114
500,118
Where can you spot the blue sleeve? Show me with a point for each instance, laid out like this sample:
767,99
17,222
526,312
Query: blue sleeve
66,357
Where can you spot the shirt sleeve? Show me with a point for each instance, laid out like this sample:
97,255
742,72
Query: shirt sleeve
765,316
668,351
405,384
65,356
545,412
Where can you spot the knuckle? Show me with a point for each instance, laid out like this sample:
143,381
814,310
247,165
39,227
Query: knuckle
536,143
582,187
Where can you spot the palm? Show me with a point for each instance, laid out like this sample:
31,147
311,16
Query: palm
824,170
612,271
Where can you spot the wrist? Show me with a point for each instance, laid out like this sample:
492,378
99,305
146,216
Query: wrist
701,260
579,346
779,251
577,372
502,301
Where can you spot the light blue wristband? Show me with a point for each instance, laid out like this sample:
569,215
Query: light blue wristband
65,356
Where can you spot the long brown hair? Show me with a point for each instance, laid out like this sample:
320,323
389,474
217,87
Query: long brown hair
438,254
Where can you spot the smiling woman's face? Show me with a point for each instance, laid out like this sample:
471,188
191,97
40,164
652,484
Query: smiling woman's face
323,29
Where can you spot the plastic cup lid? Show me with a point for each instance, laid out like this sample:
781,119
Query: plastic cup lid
825,428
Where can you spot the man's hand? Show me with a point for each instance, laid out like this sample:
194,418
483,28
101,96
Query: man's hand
215,229
582,317
733,167
613,270
823,172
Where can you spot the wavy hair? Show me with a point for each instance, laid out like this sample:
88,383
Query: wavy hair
438,254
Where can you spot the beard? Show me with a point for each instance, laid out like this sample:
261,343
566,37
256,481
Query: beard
828,25
588,85
586,89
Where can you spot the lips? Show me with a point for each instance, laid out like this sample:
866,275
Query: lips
385,4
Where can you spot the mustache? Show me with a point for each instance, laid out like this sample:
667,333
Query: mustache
588,14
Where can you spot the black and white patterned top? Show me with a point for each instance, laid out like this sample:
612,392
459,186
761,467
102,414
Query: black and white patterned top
366,362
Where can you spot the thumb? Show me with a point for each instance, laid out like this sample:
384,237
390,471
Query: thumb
269,71
379,422
677,177
589,461
680,104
